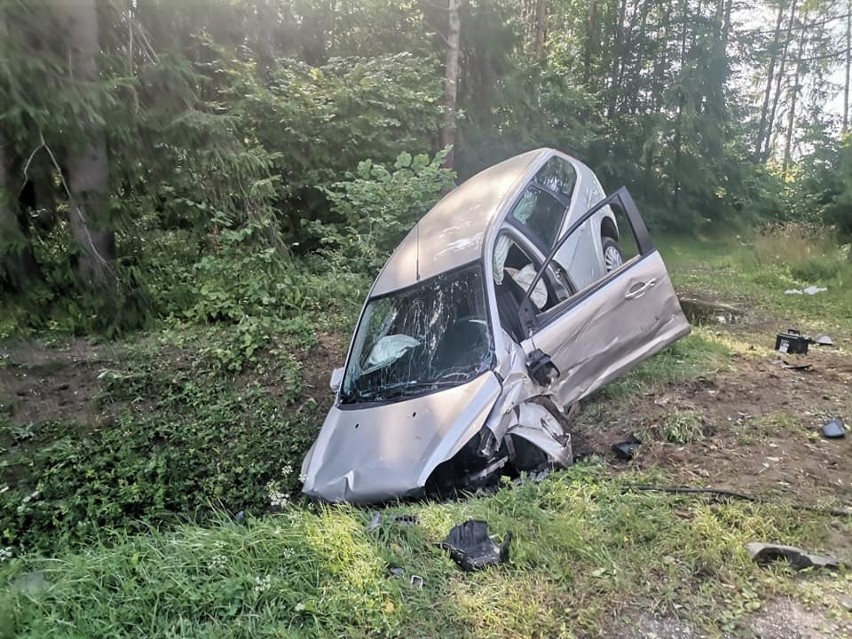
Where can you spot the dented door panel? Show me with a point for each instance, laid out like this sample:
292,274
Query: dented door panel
632,316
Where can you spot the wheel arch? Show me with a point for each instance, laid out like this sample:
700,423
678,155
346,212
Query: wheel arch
608,228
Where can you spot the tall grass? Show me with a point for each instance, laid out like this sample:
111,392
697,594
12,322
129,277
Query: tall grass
584,550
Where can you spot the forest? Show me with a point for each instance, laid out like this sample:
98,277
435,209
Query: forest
146,147
195,196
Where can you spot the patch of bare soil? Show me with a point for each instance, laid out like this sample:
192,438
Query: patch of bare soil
761,424
781,618
788,619
328,354
42,384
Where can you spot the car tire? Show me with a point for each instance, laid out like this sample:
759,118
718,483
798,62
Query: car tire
613,257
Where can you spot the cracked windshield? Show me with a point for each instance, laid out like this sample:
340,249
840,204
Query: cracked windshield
412,342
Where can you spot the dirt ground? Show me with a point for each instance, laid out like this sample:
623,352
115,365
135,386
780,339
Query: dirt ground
760,433
761,427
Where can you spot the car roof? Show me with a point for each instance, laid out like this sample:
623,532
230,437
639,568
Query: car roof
452,233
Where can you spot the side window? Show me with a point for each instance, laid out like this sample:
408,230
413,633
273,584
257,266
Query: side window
608,243
558,176
540,215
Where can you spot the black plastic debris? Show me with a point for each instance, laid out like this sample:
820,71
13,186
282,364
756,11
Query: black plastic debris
792,342
798,558
406,519
472,548
626,450
822,340
796,367
833,429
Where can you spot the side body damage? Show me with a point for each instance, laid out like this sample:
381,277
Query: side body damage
523,291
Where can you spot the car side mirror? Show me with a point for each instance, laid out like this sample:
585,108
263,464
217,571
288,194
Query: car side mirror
336,379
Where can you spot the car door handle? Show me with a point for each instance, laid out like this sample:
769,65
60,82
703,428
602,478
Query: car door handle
638,290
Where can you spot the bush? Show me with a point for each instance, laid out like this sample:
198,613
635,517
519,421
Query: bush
175,439
378,206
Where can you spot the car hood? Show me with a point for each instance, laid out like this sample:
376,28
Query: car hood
381,452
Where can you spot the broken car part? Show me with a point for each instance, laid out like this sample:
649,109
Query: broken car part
626,450
505,304
822,340
792,342
798,558
472,548
833,429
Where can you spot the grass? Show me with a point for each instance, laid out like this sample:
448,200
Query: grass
584,552
756,272
172,435
163,555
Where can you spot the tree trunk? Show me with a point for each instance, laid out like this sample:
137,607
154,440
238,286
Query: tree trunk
770,121
88,167
681,103
17,263
770,75
616,58
540,27
451,86
591,40
791,113
845,127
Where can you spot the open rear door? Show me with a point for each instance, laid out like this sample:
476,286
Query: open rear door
615,322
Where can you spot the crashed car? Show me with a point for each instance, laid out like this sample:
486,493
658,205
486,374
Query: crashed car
521,292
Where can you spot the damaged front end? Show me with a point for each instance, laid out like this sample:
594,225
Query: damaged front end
427,405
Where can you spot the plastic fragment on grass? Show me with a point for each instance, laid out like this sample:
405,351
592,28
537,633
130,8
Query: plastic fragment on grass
395,571
375,522
833,429
810,290
822,340
626,450
798,558
472,548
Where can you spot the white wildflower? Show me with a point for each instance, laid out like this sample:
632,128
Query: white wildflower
262,584
287,470
218,561
6,553
300,607
277,499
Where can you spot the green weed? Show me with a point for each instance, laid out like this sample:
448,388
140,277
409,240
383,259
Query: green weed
174,438
582,549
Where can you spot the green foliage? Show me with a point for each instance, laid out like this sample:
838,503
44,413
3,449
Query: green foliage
582,543
377,206
175,438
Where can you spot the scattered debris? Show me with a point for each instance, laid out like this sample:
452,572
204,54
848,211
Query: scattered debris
375,522
700,312
798,558
822,340
833,429
534,476
417,581
792,342
796,367
471,547
626,450
810,290
406,519
395,571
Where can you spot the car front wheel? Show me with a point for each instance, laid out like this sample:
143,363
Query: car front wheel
613,257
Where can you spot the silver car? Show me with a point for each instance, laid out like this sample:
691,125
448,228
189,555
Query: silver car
521,292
